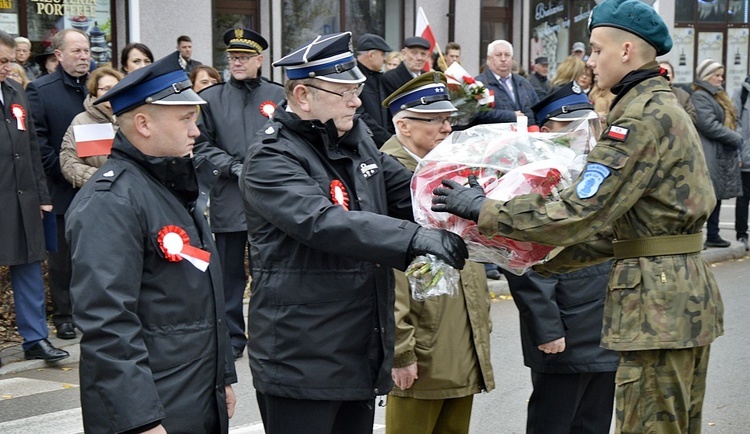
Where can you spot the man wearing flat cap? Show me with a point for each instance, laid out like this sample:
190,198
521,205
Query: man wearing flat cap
416,52
371,51
538,79
236,110
146,286
437,369
647,183
329,216
560,315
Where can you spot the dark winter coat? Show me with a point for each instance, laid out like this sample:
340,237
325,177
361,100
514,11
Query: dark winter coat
54,100
505,107
720,144
228,124
372,111
23,188
155,344
569,305
320,321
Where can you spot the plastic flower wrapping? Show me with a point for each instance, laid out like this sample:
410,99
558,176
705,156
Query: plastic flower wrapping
508,161
468,95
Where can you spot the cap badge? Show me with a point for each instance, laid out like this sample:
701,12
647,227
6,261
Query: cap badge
238,33
267,108
339,196
175,244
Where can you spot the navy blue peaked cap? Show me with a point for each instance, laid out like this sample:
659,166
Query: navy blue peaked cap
567,103
163,82
327,57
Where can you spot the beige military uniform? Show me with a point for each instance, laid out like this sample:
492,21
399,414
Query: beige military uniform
646,178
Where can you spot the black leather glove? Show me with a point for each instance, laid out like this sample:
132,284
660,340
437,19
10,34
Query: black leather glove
454,198
444,244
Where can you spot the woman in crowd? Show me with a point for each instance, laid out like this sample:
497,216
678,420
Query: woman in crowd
716,123
23,58
203,76
78,168
586,80
135,56
393,59
18,73
569,70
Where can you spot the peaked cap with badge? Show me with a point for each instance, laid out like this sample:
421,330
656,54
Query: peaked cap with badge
426,93
636,17
244,40
327,57
568,103
163,82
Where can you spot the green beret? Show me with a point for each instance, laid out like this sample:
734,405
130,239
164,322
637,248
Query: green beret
636,17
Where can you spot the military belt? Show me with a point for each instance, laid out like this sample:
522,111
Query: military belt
658,246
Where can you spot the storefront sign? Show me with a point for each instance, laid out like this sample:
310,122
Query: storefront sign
550,32
9,23
684,64
736,62
65,7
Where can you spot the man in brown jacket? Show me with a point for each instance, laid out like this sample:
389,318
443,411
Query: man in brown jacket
442,355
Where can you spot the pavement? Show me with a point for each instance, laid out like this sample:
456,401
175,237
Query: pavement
14,362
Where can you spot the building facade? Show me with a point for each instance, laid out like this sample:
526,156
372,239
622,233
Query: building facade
701,28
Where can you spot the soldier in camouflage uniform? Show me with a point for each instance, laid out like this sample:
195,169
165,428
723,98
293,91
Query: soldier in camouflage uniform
646,186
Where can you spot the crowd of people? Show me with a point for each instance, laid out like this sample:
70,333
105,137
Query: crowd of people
149,188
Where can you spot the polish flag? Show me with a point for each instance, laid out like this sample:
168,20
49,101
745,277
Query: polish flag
424,30
94,139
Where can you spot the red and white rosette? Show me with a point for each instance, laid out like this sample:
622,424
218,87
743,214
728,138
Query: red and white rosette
267,108
20,114
175,244
339,196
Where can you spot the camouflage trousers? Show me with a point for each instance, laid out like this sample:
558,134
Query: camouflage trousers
661,391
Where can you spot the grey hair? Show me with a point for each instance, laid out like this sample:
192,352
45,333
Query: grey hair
491,46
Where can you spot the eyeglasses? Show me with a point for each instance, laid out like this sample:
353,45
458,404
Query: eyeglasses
346,95
242,59
436,121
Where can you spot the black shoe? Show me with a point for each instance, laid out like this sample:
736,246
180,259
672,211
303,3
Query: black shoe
45,351
238,352
66,331
493,274
717,242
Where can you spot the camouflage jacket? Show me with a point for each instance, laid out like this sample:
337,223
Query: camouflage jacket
646,177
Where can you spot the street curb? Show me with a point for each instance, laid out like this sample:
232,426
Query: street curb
13,360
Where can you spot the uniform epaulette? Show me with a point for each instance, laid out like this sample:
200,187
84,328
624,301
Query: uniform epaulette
104,181
271,132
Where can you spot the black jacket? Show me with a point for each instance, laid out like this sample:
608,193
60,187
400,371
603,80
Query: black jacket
371,111
54,100
22,185
155,344
570,305
228,124
320,321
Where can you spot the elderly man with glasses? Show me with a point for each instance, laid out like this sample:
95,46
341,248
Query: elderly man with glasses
236,110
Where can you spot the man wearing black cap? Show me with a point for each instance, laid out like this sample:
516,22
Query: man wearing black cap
328,217
538,78
647,182
371,51
416,51
236,110
438,368
560,315
146,284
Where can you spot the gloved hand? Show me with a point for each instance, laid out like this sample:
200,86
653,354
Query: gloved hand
456,199
444,244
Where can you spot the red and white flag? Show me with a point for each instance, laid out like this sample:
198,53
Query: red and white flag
424,30
94,139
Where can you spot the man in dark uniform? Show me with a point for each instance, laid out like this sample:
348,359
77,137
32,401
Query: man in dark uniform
236,110
54,100
328,217
416,51
646,182
371,51
146,285
561,316
23,193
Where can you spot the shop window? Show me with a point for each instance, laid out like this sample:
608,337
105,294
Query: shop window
94,17
9,17
497,23
229,14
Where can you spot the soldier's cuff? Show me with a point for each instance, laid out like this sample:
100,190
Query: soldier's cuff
404,359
